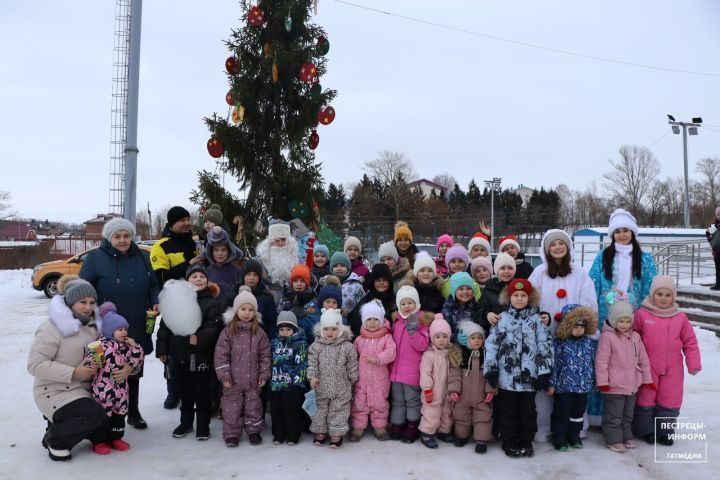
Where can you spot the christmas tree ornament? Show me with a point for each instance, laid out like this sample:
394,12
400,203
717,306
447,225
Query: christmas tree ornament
267,50
316,90
275,72
238,114
229,98
326,115
256,17
298,208
323,46
231,65
308,72
215,147
314,140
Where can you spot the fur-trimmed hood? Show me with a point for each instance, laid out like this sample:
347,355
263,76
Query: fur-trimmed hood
424,318
455,356
62,317
344,336
534,297
228,316
585,313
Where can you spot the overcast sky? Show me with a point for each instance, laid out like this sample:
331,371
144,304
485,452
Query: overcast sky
451,101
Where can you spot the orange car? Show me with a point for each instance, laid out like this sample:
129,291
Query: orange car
46,275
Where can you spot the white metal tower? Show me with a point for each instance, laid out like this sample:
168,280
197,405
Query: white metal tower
123,122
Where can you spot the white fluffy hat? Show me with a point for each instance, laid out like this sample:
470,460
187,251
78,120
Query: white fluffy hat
405,292
622,219
278,230
331,317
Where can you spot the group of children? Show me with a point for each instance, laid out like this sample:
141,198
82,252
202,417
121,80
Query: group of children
462,354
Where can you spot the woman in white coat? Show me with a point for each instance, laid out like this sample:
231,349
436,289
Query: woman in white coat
561,282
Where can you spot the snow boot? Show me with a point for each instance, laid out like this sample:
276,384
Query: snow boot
428,441
411,432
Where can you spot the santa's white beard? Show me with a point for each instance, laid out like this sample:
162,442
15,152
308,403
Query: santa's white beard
278,261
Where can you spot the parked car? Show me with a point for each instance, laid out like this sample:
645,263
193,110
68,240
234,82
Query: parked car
430,248
46,275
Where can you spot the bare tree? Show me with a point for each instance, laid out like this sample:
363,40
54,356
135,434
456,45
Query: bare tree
159,219
391,171
709,169
6,210
446,180
632,177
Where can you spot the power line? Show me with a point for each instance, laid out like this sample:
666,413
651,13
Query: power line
663,136
527,44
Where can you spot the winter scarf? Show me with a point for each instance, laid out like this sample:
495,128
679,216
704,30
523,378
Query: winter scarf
624,266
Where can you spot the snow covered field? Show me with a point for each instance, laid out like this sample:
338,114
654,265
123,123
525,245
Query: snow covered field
156,455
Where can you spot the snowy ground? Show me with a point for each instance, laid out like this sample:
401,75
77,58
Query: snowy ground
156,455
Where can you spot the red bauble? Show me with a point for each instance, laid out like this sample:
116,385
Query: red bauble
326,115
215,147
229,98
231,65
314,140
308,72
256,17
561,293
558,317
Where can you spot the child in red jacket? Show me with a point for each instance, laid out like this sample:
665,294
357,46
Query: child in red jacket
667,335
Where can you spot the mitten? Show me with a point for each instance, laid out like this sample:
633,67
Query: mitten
651,386
542,382
489,397
712,229
604,388
492,379
462,338
454,396
411,328
428,395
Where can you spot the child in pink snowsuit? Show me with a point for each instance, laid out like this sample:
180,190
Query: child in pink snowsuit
667,335
118,350
434,374
410,333
376,350
242,364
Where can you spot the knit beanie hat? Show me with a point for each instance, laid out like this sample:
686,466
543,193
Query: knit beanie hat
372,309
552,235
481,262
439,325
388,249
454,252
217,236
213,215
244,296
78,289
519,285
402,230
662,281
424,260
379,270
340,258
176,213
111,320
115,225
502,260
352,242
470,328
620,310
287,318
444,238
195,268
330,291
278,230
253,266
330,317
622,219
407,292
302,272
508,240
479,239
318,248
458,280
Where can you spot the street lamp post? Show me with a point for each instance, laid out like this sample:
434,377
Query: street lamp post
492,185
692,126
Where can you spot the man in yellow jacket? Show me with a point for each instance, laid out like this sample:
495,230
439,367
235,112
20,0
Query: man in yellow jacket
175,252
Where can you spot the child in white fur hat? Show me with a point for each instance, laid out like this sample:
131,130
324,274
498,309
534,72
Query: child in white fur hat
332,369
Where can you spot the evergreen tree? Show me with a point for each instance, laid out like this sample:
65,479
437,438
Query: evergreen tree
277,102
473,194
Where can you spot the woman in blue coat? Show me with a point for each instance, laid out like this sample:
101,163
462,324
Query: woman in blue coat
621,270
121,273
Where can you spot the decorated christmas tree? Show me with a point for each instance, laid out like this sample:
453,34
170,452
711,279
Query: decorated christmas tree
276,104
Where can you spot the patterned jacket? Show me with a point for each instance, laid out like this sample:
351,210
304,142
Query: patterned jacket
108,393
289,362
574,369
335,364
455,313
519,349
